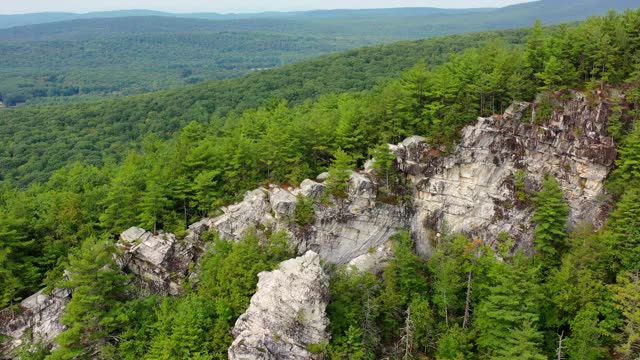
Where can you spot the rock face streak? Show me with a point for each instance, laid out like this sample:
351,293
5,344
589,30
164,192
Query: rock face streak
287,313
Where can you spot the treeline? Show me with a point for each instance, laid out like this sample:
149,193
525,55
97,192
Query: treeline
36,141
580,285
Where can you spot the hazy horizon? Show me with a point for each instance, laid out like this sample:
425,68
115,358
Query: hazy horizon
226,6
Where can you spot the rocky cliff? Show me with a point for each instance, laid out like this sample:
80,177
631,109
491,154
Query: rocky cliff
480,187
287,313
473,190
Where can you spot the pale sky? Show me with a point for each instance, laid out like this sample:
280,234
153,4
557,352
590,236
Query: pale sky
226,6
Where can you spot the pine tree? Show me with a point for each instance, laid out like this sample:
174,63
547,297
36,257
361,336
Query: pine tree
449,271
512,298
339,173
550,216
95,311
522,343
627,297
586,335
454,344
552,75
535,54
627,172
624,226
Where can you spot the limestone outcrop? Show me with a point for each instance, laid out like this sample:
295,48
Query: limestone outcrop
159,261
36,319
287,313
473,189
343,229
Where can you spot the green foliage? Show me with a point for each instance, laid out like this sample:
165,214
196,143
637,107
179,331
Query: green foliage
627,172
522,343
550,215
339,173
96,310
512,299
454,344
586,339
520,185
624,239
627,297
353,307
183,329
305,214
449,267
350,346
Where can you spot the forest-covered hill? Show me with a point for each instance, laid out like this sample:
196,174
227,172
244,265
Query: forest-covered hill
38,140
118,54
571,292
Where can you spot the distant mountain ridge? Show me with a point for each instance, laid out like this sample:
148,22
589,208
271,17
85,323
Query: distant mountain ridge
9,21
134,51
552,11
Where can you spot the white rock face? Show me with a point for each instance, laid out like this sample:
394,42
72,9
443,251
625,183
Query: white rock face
473,190
287,313
239,218
38,315
160,261
374,260
343,229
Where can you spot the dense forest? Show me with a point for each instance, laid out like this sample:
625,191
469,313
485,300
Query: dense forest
576,298
123,53
36,141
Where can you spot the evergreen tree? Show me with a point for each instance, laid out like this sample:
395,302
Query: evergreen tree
450,274
627,172
512,299
624,225
552,75
550,216
339,173
586,335
535,54
454,344
95,311
522,343
627,297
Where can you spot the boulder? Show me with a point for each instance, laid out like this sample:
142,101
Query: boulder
287,313
159,261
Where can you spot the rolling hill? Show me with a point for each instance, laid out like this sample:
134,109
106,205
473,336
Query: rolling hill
128,52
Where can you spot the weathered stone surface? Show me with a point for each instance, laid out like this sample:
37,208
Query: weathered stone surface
287,313
322,177
37,317
472,190
239,218
374,260
283,204
343,229
311,189
160,261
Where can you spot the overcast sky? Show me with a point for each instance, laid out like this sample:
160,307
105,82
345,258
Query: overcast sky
225,6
